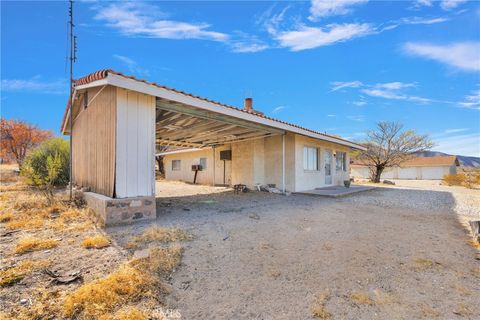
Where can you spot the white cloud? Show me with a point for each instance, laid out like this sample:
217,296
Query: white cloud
245,43
312,37
139,19
132,65
460,55
426,3
35,84
394,85
325,8
331,115
360,103
359,118
420,20
451,4
448,131
389,94
337,85
467,144
278,109
471,101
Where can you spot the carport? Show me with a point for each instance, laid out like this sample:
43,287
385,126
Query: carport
119,121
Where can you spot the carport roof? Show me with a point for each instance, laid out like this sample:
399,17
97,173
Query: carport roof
115,78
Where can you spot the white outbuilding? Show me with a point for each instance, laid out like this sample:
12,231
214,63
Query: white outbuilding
420,168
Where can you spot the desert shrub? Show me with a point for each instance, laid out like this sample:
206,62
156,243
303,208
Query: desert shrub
97,242
48,165
29,244
455,179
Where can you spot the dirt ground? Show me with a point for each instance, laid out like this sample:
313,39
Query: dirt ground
392,253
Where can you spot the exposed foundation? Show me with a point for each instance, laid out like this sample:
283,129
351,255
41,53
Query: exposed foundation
112,211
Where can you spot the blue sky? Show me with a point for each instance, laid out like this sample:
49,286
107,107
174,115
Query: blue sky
338,67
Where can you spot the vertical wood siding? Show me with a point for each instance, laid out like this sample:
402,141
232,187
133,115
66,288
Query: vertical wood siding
94,142
135,157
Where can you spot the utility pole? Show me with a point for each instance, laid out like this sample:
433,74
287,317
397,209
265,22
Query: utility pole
73,59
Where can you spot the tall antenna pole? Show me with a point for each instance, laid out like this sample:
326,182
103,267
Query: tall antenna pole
73,58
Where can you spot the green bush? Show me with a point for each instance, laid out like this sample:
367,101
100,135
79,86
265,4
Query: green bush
48,164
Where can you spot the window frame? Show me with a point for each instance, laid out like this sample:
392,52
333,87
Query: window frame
343,164
174,168
306,157
200,163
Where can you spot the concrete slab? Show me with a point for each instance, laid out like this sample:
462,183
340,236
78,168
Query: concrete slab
336,191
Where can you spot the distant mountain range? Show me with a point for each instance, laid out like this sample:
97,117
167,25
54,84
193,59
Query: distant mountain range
464,160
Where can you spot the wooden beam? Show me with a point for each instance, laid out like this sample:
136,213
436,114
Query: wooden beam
185,109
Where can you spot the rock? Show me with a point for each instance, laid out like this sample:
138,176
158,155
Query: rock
388,182
141,254
23,301
254,216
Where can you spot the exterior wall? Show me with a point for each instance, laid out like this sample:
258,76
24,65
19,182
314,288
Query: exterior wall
308,180
94,148
193,158
259,161
273,161
135,157
407,173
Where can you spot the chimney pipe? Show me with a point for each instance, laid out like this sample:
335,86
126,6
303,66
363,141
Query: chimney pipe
248,105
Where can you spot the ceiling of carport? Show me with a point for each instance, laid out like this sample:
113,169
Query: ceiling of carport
184,126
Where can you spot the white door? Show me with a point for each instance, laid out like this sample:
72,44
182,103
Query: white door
328,166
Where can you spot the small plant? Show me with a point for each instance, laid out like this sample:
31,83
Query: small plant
318,307
361,298
34,244
158,234
47,166
10,276
347,183
97,242
455,179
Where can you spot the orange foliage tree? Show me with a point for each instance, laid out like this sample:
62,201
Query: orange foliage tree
17,138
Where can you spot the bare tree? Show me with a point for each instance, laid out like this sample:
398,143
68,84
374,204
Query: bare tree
389,146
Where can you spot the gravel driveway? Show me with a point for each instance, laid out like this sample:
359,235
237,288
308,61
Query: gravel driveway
391,253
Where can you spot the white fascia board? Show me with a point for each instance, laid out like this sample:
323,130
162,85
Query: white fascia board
179,151
92,84
146,88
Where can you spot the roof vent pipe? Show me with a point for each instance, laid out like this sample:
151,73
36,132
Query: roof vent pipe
248,105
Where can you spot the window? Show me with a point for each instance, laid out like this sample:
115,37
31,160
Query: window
341,161
203,163
310,158
176,165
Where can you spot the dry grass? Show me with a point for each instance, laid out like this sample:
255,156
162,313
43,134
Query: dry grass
361,298
476,272
10,276
274,273
6,216
318,307
102,296
463,310
428,312
132,282
127,313
463,291
97,242
385,298
422,264
455,179
474,244
159,234
29,244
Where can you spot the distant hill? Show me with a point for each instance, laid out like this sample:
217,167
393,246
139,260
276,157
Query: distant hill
464,160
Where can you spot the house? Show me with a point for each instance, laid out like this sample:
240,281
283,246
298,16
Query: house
118,120
418,168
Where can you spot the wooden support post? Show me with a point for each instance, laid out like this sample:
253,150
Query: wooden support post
283,163
214,168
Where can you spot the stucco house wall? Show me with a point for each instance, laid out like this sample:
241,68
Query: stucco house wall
259,161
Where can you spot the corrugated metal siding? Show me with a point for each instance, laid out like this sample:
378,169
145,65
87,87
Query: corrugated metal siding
135,157
94,142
